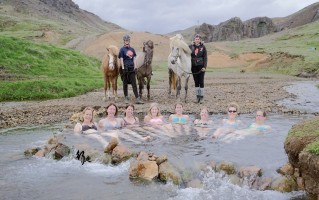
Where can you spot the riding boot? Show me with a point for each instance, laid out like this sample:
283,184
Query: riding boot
197,94
139,101
201,97
126,100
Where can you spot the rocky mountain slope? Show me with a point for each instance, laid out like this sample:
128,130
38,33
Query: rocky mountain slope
55,21
234,29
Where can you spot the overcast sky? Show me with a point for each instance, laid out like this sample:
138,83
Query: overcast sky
165,16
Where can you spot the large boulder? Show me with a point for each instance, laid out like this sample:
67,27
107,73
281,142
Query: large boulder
143,168
284,184
167,172
60,151
121,153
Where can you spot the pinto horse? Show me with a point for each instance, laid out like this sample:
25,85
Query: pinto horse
110,69
179,65
144,67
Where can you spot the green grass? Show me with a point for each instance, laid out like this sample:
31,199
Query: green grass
36,71
313,148
305,129
298,42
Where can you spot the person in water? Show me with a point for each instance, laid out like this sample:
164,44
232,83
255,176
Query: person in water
129,118
178,117
88,125
111,121
203,121
260,122
231,123
257,127
202,124
154,115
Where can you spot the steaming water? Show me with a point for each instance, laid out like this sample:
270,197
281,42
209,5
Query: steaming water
44,178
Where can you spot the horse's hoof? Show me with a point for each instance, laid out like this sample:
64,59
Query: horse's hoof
104,99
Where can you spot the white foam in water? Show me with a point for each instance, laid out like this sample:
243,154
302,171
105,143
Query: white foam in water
45,166
217,186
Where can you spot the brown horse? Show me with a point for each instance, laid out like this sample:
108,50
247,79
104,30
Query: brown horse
144,67
110,69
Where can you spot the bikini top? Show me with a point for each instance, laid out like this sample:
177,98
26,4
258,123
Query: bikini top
128,123
258,127
87,127
200,123
179,120
227,124
110,126
156,121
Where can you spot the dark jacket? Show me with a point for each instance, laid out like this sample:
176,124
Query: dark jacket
199,55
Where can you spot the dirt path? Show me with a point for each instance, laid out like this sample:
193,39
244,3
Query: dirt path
251,91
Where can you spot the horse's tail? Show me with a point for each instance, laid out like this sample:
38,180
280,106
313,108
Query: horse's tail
173,79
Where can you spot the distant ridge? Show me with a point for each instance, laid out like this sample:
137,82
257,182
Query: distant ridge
235,29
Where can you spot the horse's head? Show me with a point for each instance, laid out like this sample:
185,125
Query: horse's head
112,53
148,46
175,54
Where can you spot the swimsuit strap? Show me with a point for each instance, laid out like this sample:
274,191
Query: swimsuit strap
127,123
108,125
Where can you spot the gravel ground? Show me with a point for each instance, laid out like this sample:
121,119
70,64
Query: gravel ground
251,91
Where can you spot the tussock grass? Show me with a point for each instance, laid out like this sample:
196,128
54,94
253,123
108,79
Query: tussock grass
307,128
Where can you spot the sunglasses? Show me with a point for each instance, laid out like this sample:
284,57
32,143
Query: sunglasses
232,111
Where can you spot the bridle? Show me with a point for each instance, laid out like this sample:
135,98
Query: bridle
175,56
175,61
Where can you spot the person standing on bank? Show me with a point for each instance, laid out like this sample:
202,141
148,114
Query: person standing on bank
127,56
199,64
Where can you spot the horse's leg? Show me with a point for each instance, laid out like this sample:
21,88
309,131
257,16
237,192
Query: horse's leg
108,87
186,88
178,88
112,82
140,86
105,87
169,82
149,87
115,87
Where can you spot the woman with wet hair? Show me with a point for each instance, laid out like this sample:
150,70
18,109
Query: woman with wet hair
111,121
178,117
231,123
154,115
88,125
129,118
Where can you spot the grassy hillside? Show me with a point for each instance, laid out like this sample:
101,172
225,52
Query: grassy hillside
30,71
300,45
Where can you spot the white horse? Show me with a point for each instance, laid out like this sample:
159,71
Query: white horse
179,64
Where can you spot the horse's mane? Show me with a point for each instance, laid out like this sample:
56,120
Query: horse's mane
178,41
114,50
